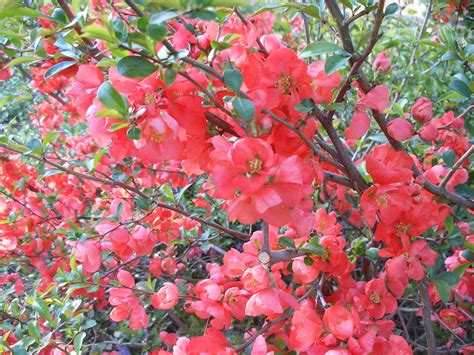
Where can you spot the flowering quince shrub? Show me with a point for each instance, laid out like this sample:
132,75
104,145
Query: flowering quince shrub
220,177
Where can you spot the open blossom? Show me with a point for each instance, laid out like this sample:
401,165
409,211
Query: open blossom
422,109
166,297
306,328
377,300
340,322
387,166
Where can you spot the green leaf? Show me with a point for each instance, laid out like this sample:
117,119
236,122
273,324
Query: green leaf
428,42
51,172
318,48
161,17
468,255
464,190
450,277
461,88
286,242
335,62
14,11
156,31
391,9
57,68
42,308
233,79
134,133
443,288
449,223
313,247
97,32
167,192
170,76
449,157
78,342
308,261
244,108
110,98
108,112
143,204
34,330
135,67
21,60
372,253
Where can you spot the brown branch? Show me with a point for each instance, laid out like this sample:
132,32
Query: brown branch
134,8
245,22
379,117
114,183
428,324
351,19
93,51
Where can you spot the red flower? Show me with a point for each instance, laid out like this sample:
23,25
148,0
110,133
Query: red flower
377,300
381,62
359,126
340,322
387,166
306,328
166,297
400,129
422,109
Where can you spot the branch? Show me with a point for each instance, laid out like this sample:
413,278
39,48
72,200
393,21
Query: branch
430,338
351,19
114,183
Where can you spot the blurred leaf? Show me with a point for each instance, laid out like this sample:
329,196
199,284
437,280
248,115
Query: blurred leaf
135,67
244,108
57,68
233,79
443,288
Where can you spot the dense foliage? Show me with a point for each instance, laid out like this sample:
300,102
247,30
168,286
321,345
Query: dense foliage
223,177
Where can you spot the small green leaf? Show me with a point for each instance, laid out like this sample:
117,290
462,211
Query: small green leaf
42,308
450,277
78,342
233,79
313,247
318,48
170,76
244,108
468,255
161,17
110,98
143,203
167,192
449,157
372,253
391,9
443,288
108,112
461,88
57,68
286,242
308,261
156,31
134,133
335,62
135,67
21,60
97,32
